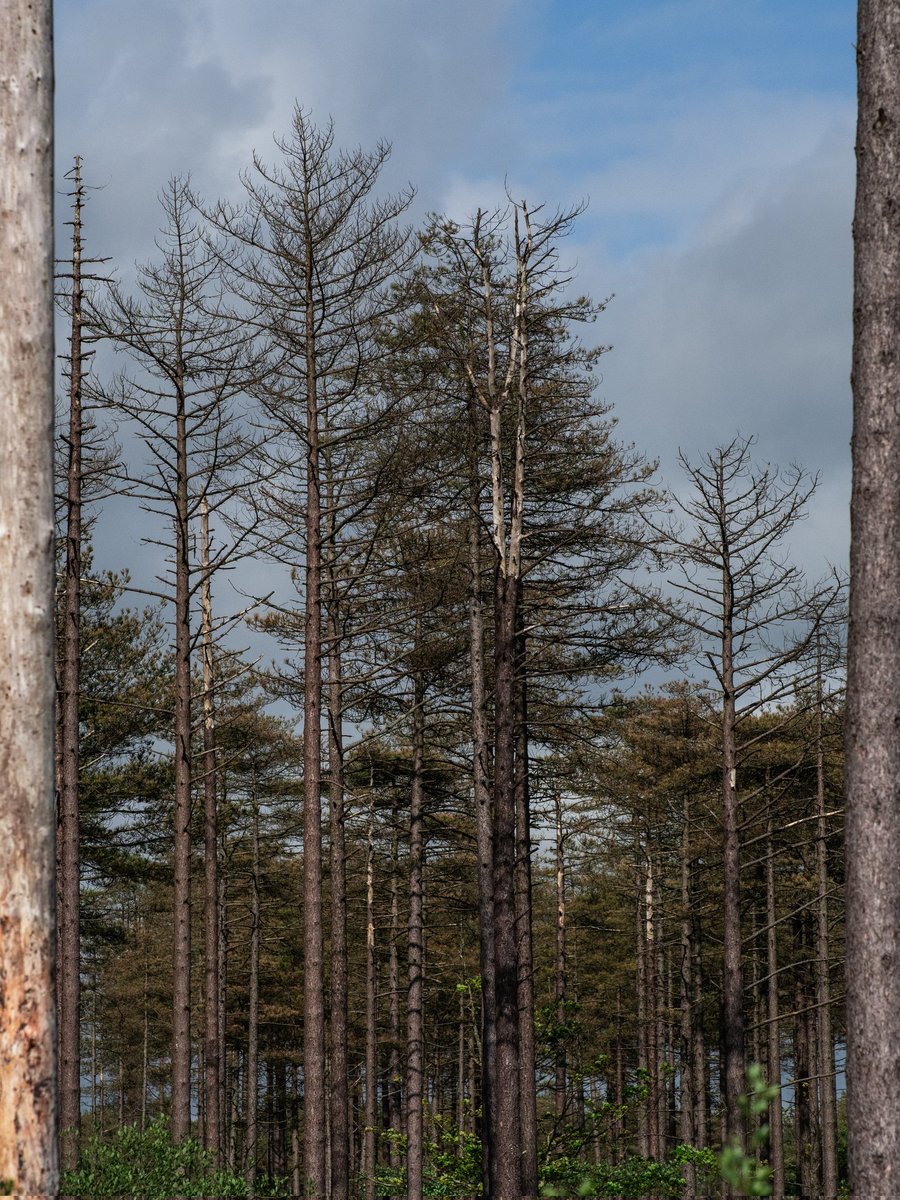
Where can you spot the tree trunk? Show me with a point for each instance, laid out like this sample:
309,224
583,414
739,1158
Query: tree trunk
395,1088
368,1156
873,682
686,1132
527,1050
415,1026
339,1092
28,1149
559,1088
181,989
732,975
314,1102
251,1072
211,1068
776,1118
484,833
506,959
823,980
68,848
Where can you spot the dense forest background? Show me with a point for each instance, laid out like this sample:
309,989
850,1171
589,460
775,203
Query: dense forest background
440,893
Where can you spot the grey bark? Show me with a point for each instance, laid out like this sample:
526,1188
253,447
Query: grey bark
28,1151
873,684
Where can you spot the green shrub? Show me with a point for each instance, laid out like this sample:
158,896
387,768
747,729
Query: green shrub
147,1165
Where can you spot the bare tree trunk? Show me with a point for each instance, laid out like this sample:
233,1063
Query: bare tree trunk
506,959
686,1130
28,1149
527,1051
314,1102
559,1088
484,833
652,1005
823,981
873,683
776,1118
68,847
368,1156
732,975
212,1068
701,1091
339,1093
415,1027
643,1123
181,988
395,1090
802,1075
251,1073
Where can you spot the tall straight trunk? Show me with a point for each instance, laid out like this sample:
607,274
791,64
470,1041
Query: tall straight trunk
776,1116
145,1050
527,1050
314,1061
701,1077
873,680
395,1089
251,1073
415,1015
211,1060
823,980
506,958
339,1097
68,930
619,1096
640,954
559,1087
28,1149
181,988
803,1070
732,976
368,1155
484,833
224,1082
652,1006
686,1125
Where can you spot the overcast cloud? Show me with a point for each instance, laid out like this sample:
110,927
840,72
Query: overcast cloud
714,142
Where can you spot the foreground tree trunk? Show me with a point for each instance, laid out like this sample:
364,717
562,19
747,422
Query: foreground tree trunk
28,1153
873,682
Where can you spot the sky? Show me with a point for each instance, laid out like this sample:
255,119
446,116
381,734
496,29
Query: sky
712,140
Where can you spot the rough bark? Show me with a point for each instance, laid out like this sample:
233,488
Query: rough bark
28,1151
873,683
686,1130
527,1049
339,1097
314,1102
506,959
211,948
828,1104
181,988
484,834
368,1154
415,1014
68,834
776,1117
252,1065
732,973
559,1087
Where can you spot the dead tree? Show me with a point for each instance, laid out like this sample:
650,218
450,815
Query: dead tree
194,363
749,611
28,1154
